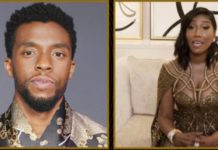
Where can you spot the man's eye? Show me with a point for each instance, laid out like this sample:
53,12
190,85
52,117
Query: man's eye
28,53
59,54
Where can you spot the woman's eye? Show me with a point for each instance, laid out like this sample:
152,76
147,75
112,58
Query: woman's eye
190,27
206,27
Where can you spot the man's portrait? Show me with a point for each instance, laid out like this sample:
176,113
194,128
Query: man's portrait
53,74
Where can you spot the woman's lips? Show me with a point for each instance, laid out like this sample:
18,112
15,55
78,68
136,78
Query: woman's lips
197,44
42,82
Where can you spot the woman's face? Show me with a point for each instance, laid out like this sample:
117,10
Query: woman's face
200,34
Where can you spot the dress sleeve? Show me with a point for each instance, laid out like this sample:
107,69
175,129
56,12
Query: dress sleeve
165,82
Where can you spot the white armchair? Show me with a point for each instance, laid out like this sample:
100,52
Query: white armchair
136,100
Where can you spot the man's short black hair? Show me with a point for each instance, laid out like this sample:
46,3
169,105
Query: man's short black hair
38,12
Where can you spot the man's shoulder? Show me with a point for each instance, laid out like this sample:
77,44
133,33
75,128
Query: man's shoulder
87,122
5,128
87,131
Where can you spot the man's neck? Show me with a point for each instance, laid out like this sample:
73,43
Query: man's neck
38,120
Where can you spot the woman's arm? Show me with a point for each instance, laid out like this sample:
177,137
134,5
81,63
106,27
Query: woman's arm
165,118
210,140
165,114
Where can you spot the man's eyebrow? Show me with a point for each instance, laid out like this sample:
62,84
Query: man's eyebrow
29,43
61,45
57,45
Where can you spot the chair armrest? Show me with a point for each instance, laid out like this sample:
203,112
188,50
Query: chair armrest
123,108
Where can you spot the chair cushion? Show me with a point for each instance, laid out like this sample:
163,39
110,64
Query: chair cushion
143,80
135,133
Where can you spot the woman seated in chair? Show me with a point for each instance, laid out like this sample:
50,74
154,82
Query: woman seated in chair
187,112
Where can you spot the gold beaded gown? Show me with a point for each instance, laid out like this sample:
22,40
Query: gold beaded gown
195,109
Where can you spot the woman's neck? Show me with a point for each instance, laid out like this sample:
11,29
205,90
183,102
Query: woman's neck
198,60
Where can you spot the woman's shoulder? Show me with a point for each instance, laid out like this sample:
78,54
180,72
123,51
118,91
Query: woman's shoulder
170,63
173,68
216,67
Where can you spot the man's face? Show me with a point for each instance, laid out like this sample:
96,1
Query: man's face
41,63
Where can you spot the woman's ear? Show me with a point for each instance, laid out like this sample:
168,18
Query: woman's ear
8,66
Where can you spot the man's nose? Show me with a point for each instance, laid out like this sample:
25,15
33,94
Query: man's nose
43,63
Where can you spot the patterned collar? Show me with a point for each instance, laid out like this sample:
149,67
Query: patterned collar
56,133
67,128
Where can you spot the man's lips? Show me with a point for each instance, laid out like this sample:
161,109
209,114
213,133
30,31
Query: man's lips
42,82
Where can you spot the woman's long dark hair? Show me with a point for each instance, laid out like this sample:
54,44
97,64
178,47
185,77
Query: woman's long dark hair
181,46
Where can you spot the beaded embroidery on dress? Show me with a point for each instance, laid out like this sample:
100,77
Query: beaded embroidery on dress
196,108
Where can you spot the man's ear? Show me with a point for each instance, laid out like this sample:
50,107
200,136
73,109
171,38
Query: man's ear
8,66
72,68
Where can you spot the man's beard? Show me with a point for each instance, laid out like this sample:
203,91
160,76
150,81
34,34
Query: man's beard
39,104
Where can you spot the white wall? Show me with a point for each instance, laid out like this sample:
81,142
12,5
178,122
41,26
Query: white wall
146,48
